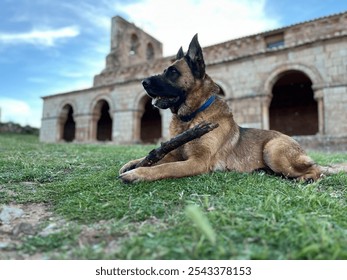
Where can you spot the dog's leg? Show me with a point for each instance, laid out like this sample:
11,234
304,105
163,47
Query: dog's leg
130,165
284,156
176,169
170,157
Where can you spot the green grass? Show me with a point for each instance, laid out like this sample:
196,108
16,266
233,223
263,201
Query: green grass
212,216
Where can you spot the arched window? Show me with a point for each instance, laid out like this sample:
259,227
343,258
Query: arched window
150,51
134,44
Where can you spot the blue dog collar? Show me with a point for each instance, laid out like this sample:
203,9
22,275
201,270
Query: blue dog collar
203,107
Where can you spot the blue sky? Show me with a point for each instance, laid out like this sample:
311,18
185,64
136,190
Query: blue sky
54,46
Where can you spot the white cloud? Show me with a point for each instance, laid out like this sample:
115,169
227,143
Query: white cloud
37,80
96,13
174,23
73,75
18,111
47,37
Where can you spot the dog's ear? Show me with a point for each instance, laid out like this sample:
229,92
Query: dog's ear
180,54
195,58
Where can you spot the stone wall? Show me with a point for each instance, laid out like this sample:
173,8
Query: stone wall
246,69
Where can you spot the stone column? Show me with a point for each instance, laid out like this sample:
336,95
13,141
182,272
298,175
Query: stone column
93,124
60,127
166,116
137,125
265,111
319,97
83,128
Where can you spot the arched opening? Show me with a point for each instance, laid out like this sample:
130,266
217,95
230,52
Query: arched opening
150,51
68,124
134,44
150,123
293,109
104,121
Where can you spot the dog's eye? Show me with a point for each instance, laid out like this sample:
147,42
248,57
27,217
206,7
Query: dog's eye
173,70
171,73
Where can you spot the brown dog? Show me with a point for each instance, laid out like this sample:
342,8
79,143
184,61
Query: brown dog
192,97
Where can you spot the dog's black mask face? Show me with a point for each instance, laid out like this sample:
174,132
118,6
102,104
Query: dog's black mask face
170,89
163,89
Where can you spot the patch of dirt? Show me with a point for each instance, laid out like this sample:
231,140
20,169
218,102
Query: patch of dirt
18,221
335,168
101,232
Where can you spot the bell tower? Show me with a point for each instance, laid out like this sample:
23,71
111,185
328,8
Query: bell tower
130,45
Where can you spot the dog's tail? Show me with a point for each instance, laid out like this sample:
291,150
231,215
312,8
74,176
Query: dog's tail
334,168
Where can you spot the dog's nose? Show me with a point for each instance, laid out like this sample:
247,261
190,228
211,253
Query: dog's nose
146,83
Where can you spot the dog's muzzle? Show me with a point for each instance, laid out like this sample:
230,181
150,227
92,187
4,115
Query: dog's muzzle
146,83
160,93
149,87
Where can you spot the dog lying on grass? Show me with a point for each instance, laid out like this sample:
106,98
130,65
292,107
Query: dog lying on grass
192,96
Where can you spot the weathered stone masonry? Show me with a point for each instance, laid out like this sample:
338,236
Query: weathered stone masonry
293,79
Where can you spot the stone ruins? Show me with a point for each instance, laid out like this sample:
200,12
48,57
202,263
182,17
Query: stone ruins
292,79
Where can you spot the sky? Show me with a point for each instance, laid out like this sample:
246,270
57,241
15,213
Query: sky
55,46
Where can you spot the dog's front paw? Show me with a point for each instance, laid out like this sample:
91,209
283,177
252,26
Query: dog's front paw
131,176
129,166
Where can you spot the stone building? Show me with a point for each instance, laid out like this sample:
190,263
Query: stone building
292,79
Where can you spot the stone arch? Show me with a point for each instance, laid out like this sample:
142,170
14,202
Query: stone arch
67,124
226,92
102,122
148,120
293,109
225,87
310,72
221,91
104,97
134,44
279,72
150,51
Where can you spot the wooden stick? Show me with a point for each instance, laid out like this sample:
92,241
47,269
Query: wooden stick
157,154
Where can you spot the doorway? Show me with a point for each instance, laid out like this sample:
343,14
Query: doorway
293,109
